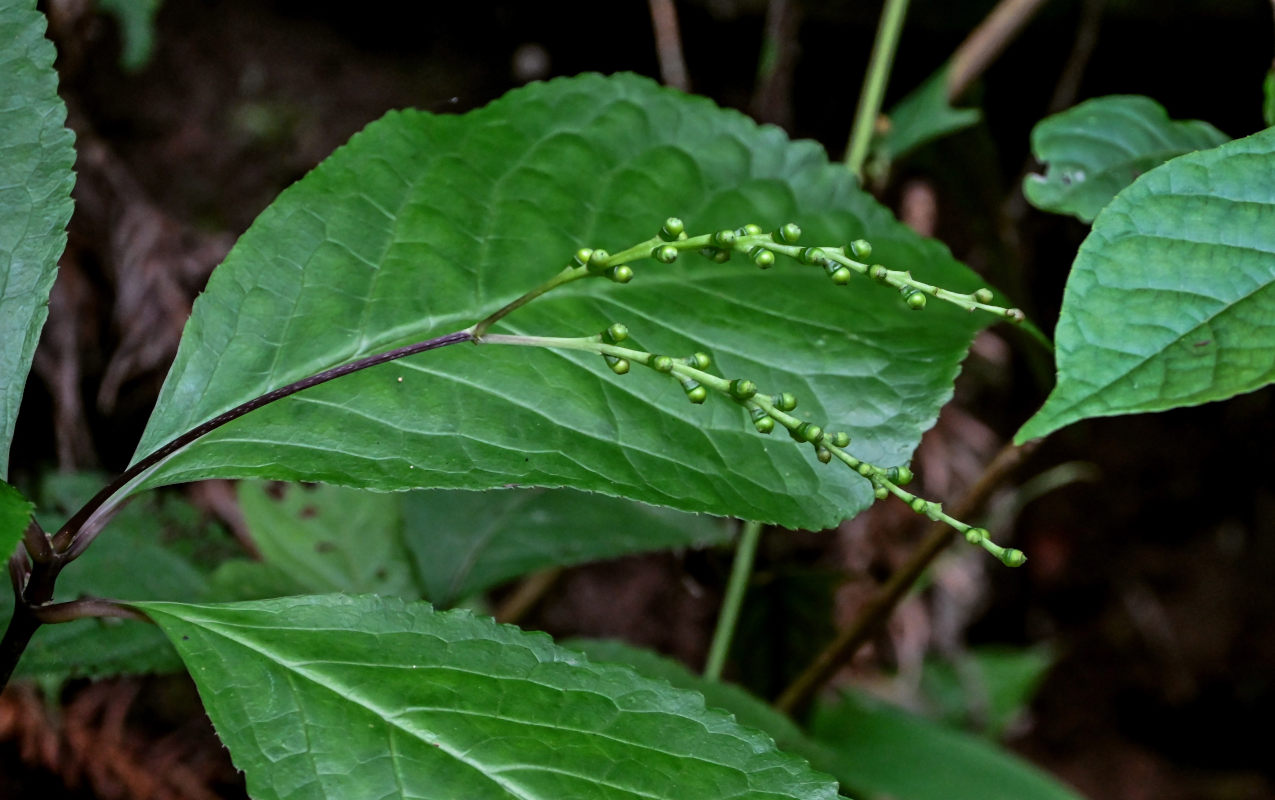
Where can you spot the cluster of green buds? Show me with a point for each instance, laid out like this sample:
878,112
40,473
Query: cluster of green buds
766,413
840,263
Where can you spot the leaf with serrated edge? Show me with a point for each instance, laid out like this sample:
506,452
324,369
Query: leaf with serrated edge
424,224
15,514
336,696
1171,298
1099,147
36,156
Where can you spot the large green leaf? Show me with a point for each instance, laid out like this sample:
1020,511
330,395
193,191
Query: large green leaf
424,224
888,753
144,554
1172,295
36,156
1097,148
462,542
334,696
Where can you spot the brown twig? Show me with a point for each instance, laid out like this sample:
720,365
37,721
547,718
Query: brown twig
878,609
986,42
668,45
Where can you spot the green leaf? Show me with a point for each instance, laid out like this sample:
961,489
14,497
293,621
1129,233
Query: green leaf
136,20
1096,149
145,553
15,515
920,118
987,687
462,542
424,224
335,696
887,752
36,156
1171,298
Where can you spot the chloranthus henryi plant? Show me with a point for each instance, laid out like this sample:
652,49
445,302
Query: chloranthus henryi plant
841,264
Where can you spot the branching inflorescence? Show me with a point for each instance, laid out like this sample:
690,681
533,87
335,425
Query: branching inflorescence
765,410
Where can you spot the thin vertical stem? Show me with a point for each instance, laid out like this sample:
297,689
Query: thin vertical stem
668,45
740,573
874,82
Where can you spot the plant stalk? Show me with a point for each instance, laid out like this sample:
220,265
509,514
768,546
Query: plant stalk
741,572
865,118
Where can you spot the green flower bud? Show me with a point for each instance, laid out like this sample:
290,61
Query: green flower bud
975,535
808,432
665,254
662,364
899,476
742,389
786,401
916,301
597,261
763,422
715,254
864,469
724,238
673,228
1012,557
920,505
618,365
984,296
880,493
823,454
762,257
878,273
840,275
582,256
811,255
841,439
752,229
616,333
1015,316
698,360
694,391
788,234
621,274
859,248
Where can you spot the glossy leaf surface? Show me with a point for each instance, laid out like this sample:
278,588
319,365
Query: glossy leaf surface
424,224
1171,297
36,156
339,697
1099,147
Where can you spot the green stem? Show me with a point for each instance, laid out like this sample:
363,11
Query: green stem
740,573
874,82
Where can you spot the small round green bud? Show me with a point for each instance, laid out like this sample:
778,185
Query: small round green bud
811,255
984,296
615,333
841,439
698,360
742,389
975,535
752,229
665,254
694,391
619,366
920,505
582,256
809,432
762,421
788,234
864,469
1015,316
621,274
598,259
880,493
673,228
899,476
878,273
840,276
762,257
724,238
823,454
715,254
916,301
786,401
859,248
662,364
1013,557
